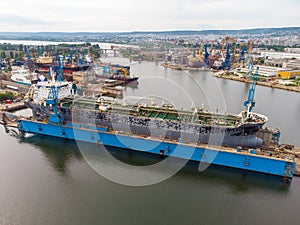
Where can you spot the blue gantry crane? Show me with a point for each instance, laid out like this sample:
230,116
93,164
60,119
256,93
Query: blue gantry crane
71,57
27,53
30,62
206,55
250,102
39,50
242,54
80,59
226,63
56,64
61,69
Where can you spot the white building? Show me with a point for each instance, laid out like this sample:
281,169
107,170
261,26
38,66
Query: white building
267,71
278,55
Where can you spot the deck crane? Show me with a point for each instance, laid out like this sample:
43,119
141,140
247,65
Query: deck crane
52,99
226,63
250,102
206,55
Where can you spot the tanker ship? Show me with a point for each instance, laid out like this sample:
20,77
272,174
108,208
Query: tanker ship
156,121
190,134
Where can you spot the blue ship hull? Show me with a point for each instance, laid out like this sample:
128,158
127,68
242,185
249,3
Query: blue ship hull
101,135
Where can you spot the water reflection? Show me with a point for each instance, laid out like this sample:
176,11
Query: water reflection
60,153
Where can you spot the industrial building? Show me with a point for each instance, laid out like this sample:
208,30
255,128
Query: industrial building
266,71
278,55
288,74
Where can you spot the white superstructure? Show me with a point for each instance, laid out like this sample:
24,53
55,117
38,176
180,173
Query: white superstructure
22,75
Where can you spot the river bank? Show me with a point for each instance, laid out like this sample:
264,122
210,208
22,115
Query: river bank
222,74
271,84
183,67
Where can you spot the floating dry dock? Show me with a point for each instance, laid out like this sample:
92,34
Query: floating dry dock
279,161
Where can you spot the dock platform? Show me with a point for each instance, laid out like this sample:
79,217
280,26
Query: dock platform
268,161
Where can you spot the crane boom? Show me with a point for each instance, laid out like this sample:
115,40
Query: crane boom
250,102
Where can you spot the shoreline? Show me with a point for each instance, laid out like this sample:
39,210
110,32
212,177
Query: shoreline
219,74
183,67
270,85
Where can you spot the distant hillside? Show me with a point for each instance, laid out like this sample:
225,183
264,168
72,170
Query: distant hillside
70,36
256,31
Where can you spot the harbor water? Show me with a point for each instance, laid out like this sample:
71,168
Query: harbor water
47,181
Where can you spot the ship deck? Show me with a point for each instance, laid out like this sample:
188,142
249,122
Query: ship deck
155,112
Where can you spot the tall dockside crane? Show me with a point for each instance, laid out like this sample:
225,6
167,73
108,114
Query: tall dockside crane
71,57
39,50
242,54
61,69
80,59
226,63
206,55
250,67
250,102
29,60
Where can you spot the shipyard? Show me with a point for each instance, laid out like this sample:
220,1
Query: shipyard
161,112
107,117
99,79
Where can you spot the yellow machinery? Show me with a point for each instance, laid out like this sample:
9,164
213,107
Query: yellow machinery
118,71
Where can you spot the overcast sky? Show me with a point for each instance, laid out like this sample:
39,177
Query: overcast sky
150,15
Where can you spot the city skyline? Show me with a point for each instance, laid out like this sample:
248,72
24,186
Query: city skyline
134,15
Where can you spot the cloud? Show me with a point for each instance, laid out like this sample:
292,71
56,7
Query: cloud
129,15
20,20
